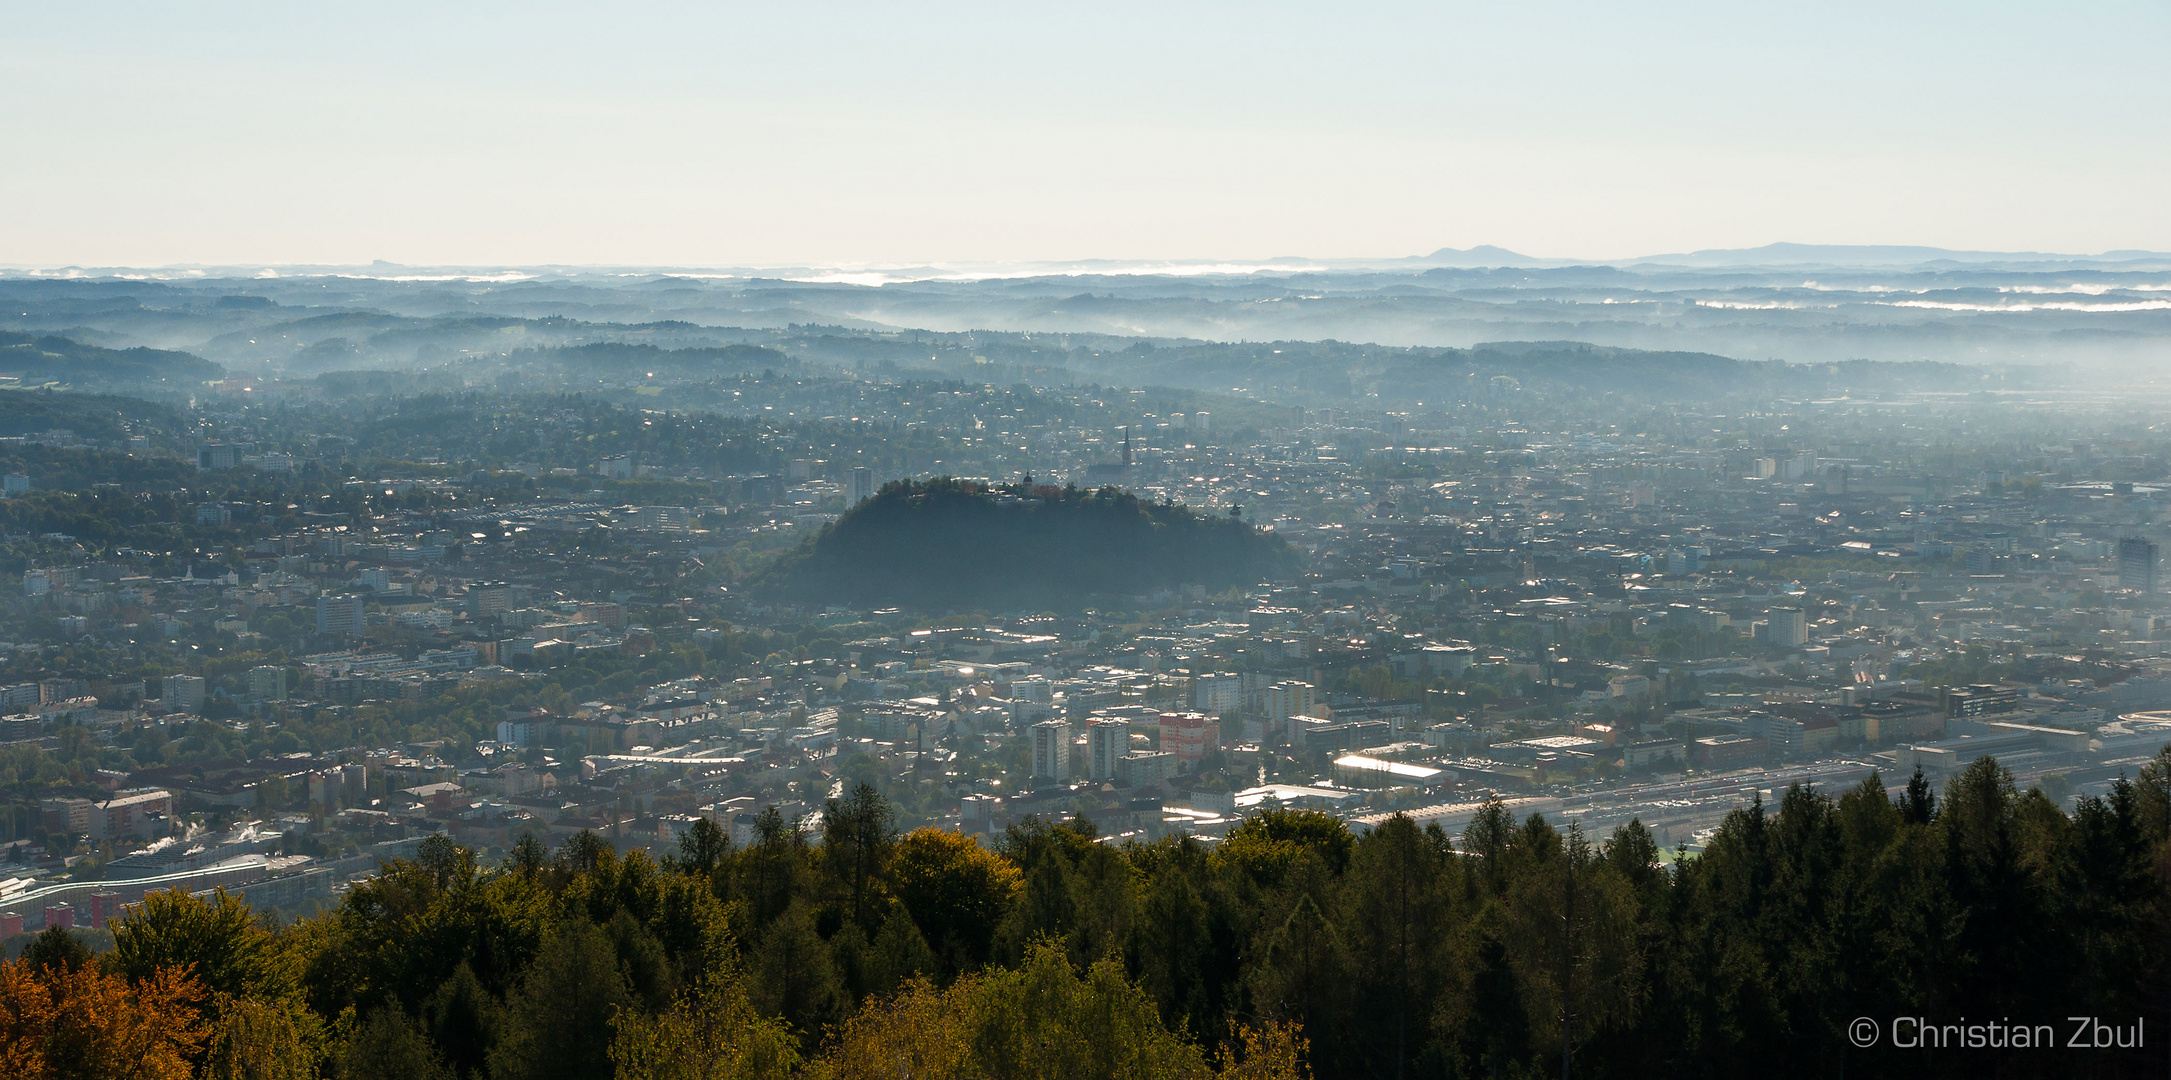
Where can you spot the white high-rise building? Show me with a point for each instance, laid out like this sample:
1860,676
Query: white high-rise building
267,683
1287,698
1106,743
1789,628
341,614
1051,751
861,488
1218,693
183,693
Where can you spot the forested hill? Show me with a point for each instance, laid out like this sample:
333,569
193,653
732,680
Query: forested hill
952,544
1329,370
35,361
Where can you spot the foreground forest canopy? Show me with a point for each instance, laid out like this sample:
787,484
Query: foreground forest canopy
952,543
1295,947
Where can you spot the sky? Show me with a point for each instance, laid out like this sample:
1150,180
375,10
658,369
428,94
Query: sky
846,134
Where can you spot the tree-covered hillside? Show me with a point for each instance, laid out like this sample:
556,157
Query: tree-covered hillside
951,543
36,360
1324,371
107,418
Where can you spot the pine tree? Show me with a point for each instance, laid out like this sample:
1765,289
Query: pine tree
771,873
898,953
1918,805
649,974
1393,907
794,975
1573,940
557,1023
57,948
1301,975
1175,954
858,833
463,1021
702,848
527,857
389,1046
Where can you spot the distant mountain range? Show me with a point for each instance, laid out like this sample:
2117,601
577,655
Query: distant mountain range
1483,256
1798,302
1787,254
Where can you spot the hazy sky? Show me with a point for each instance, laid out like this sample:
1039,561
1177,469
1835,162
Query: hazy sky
836,133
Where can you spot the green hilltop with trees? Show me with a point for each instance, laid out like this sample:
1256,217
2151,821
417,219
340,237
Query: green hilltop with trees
949,543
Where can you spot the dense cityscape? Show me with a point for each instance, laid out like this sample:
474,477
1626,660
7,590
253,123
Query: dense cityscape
276,630
579,682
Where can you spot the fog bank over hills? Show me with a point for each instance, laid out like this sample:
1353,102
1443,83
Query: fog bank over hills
2104,313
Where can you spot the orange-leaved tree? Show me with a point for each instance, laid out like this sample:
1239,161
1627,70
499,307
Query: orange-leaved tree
75,1022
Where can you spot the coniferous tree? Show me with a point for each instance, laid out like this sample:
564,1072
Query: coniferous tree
1175,952
557,1022
527,856
1918,805
57,948
1301,973
771,872
898,953
858,833
794,976
389,1046
463,1022
1394,905
1571,924
1075,890
702,848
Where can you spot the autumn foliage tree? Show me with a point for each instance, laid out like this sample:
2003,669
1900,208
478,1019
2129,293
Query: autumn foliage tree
77,1022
